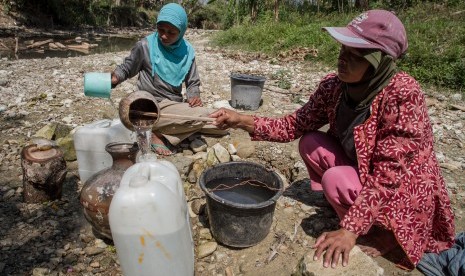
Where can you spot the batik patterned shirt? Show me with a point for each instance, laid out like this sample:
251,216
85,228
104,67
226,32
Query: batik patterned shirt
402,186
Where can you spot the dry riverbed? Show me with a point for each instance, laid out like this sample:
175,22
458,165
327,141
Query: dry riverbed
53,238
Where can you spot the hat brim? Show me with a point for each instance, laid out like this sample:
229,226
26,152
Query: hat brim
346,37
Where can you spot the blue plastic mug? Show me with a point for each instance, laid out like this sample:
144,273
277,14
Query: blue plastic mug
97,84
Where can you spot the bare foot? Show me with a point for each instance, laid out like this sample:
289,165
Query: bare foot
159,147
377,242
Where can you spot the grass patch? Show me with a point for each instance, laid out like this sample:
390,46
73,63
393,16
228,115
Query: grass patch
436,52
273,38
436,33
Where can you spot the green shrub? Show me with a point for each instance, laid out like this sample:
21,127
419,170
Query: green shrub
436,33
209,16
436,45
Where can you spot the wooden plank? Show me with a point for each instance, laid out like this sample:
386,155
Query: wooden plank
39,43
458,107
61,46
78,46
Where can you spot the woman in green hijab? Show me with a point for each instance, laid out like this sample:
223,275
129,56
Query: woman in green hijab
163,61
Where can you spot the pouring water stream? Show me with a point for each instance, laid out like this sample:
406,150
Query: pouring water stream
143,130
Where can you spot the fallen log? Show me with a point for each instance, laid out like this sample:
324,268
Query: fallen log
457,107
90,45
52,46
61,46
78,46
39,43
4,46
84,51
84,45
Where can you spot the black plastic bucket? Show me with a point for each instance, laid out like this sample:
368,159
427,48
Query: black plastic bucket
246,91
238,219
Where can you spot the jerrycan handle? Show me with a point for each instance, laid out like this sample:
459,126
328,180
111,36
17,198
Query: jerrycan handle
143,171
105,123
138,181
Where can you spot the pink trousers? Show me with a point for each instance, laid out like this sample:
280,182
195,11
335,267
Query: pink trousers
330,170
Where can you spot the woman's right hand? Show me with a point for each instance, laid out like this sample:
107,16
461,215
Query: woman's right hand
226,118
114,79
333,246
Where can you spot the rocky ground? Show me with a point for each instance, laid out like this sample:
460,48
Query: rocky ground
53,238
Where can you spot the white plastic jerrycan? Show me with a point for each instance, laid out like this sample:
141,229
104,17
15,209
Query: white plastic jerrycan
90,141
150,223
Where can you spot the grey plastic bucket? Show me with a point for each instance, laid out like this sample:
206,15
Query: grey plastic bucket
246,91
238,224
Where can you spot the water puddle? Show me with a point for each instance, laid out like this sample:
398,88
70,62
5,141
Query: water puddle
66,46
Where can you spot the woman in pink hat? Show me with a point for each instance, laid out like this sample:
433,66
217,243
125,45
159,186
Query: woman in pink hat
376,164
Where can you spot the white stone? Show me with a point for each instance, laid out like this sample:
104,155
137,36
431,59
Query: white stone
221,153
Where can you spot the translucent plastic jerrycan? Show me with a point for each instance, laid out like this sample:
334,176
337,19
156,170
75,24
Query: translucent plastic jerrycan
90,141
150,223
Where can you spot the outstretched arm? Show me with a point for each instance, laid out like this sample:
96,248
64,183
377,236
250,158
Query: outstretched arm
131,66
226,118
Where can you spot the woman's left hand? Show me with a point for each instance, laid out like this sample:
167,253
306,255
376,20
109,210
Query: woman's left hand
335,244
195,101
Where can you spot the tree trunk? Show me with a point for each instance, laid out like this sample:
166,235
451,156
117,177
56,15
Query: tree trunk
362,4
44,172
276,10
254,11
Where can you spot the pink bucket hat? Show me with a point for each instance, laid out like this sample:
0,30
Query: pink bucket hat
374,29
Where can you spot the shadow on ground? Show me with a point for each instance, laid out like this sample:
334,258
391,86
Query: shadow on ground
32,234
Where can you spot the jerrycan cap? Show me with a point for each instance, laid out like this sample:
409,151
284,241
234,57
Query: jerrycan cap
138,181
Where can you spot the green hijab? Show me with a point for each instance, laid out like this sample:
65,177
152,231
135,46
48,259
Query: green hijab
383,68
171,63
